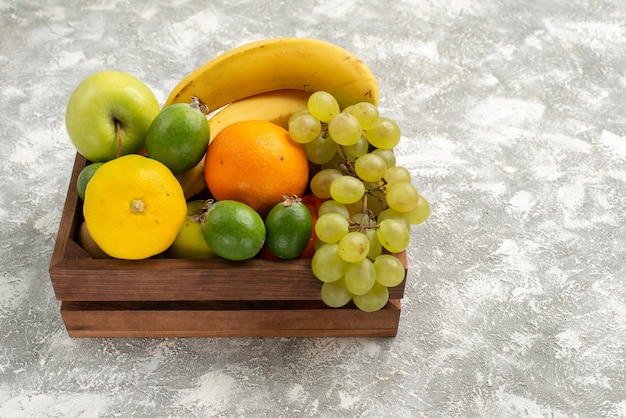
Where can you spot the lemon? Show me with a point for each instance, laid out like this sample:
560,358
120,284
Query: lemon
178,137
190,242
233,230
134,207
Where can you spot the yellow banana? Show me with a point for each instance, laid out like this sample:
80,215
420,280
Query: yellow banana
274,106
278,64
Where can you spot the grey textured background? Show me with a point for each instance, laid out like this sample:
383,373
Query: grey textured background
513,127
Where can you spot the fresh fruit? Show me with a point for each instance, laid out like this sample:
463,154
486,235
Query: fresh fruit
190,242
335,294
323,106
389,270
402,196
419,213
370,167
233,230
331,227
88,244
385,134
366,113
354,247
134,207
327,265
108,115
309,250
275,64
178,136
347,190
360,277
369,202
255,162
83,178
345,129
304,128
393,235
321,181
288,224
375,299
274,106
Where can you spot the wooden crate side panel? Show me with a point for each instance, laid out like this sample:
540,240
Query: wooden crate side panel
300,319
79,280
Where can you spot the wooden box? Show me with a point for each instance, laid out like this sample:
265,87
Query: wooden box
161,297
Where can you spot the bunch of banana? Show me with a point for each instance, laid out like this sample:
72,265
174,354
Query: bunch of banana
240,81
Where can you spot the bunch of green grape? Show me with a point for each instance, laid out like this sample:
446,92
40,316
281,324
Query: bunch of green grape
369,204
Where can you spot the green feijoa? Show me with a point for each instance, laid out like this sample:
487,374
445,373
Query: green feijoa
233,230
178,136
85,175
288,226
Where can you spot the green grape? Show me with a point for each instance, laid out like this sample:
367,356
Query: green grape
366,113
360,277
386,134
386,154
355,208
419,213
335,294
321,181
353,151
330,227
374,300
375,246
402,196
370,167
396,174
294,115
394,214
353,247
304,128
322,149
347,109
337,159
376,201
393,235
323,105
363,219
345,129
326,264
347,189
330,206
389,270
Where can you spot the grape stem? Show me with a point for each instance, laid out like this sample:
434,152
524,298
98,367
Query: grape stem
348,168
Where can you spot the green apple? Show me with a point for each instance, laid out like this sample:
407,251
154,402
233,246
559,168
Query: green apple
109,114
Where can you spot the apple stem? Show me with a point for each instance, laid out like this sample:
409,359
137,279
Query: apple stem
118,131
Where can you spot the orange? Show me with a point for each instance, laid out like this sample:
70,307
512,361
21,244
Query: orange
257,163
134,207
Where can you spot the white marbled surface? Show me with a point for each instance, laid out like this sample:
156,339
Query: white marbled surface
514,124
